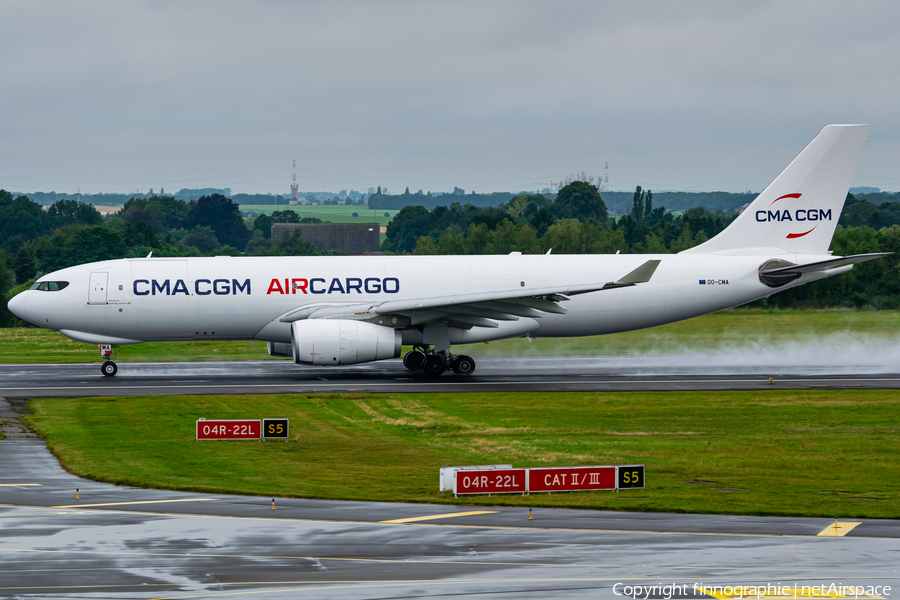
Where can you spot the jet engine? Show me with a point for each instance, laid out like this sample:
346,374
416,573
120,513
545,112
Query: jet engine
342,342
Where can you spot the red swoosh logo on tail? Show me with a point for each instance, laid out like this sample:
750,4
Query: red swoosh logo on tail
795,195
793,236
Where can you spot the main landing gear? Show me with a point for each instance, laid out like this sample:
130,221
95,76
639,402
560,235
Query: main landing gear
108,368
422,358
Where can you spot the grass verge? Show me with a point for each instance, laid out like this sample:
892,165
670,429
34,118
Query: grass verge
724,330
809,453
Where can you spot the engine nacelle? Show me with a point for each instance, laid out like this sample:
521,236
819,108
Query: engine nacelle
342,342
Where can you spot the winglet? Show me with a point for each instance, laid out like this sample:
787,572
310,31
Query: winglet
640,275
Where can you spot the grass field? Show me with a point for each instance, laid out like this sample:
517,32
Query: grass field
810,453
722,330
333,214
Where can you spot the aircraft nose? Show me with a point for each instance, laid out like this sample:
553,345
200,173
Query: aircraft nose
17,306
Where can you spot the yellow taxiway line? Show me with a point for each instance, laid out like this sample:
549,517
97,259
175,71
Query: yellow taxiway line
138,502
443,516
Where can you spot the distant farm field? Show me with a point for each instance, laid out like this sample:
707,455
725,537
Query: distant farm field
808,453
333,214
720,331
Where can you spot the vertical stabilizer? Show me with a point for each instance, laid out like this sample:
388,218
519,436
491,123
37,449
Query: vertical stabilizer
799,211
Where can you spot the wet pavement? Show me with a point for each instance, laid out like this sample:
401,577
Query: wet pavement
119,542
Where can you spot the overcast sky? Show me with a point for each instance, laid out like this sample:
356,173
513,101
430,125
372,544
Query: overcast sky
124,96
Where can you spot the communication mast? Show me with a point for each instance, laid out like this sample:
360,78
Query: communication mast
605,187
294,186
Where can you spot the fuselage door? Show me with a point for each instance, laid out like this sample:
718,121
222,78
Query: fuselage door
97,290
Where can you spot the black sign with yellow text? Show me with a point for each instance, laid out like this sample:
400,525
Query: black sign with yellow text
275,429
631,476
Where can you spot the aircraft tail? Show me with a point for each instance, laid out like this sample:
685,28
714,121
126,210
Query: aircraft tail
799,211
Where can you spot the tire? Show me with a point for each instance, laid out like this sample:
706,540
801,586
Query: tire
109,368
463,365
413,360
434,365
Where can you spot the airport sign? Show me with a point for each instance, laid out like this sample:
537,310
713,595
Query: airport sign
495,479
275,429
229,429
498,481
630,476
571,479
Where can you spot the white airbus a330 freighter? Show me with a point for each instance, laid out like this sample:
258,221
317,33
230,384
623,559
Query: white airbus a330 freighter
346,310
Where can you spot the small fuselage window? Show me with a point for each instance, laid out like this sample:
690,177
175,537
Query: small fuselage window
49,286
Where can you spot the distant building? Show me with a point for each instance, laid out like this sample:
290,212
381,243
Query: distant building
348,238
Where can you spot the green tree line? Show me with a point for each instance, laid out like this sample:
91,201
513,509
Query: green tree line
576,222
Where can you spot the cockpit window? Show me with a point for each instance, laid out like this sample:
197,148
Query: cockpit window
49,286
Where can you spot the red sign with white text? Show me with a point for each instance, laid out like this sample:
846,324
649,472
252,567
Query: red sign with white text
238,429
570,479
498,481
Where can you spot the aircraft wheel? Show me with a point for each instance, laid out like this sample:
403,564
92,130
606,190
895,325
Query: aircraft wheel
413,360
109,368
463,365
434,365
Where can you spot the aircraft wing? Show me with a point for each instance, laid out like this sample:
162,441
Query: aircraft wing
825,265
479,309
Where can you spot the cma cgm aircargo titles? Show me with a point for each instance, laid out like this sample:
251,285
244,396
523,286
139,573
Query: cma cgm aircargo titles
354,309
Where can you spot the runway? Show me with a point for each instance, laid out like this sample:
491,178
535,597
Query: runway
548,374
117,542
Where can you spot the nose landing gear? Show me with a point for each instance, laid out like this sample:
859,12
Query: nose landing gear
108,368
423,358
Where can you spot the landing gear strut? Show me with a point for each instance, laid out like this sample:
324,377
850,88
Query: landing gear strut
108,368
423,358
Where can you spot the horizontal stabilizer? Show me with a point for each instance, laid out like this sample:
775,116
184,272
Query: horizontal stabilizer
825,265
